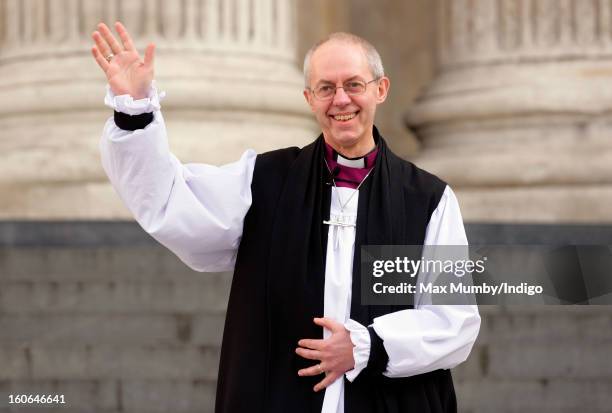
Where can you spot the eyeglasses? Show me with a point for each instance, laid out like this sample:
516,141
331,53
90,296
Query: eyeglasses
352,88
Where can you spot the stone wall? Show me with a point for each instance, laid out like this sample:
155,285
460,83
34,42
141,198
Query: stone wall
99,312
539,360
115,327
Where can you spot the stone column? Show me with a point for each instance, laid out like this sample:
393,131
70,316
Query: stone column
228,66
518,120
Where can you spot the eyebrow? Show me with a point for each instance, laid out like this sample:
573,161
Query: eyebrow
329,82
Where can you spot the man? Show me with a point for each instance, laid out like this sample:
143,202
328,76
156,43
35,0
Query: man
290,224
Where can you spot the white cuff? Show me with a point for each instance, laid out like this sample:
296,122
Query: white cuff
126,103
360,336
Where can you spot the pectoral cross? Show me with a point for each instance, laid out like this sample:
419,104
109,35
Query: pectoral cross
339,221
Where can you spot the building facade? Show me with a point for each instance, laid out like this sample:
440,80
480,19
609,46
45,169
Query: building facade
507,100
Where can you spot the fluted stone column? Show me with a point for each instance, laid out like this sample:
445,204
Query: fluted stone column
228,66
518,120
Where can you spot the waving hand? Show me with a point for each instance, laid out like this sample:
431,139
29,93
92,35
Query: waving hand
125,71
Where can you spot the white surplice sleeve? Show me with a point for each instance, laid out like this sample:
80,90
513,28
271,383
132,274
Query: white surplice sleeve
428,337
431,337
195,210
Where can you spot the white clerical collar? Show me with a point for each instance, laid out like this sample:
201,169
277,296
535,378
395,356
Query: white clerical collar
352,163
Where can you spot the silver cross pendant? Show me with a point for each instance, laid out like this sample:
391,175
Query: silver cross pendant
338,222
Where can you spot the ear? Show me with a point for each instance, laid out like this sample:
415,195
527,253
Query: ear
308,96
383,89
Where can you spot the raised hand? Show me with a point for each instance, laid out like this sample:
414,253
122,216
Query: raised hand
125,71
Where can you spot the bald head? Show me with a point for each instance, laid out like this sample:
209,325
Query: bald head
371,54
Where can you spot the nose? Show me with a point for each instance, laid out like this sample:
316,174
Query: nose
341,98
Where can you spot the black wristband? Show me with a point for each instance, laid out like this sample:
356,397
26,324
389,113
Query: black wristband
129,122
377,363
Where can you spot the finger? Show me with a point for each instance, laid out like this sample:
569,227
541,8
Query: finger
99,58
308,354
110,39
125,37
149,55
311,371
308,343
328,323
329,379
101,44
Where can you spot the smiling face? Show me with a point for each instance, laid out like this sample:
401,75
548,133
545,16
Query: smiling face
346,121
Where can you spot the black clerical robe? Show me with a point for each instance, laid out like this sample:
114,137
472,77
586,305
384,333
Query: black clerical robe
278,285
